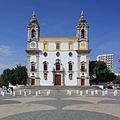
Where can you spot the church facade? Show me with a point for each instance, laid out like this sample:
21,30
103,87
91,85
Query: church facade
58,60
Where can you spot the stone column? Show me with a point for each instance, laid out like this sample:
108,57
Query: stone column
28,69
87,74
37,72
78,70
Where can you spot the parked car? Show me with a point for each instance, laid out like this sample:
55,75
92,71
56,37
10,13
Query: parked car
102,85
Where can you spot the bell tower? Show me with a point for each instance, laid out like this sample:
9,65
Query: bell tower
33,51
83,51
33,32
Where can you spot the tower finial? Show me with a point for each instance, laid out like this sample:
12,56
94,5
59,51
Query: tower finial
82,14
33,14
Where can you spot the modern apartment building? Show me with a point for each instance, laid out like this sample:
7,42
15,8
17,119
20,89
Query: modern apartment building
108,59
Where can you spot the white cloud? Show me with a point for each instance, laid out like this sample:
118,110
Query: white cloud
5,51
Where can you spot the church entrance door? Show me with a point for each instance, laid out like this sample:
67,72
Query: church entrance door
82,82
57,80
32,81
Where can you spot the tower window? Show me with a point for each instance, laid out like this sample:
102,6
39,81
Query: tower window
33,33
83,67
32,66
82,33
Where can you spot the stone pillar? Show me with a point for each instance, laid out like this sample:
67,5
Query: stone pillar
78,70
87,72
28,69
37,72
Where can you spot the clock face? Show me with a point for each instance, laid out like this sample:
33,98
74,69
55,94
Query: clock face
83,45
33,44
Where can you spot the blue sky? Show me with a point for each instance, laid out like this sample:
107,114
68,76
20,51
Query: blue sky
58,18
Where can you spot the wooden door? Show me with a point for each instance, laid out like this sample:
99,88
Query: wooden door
57,80
33,82
82,82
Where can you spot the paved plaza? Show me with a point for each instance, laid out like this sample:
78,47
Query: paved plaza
58,103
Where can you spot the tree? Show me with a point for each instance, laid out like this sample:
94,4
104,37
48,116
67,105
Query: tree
91,69
20,75
117,81
17,75
1,81
100,73
6,76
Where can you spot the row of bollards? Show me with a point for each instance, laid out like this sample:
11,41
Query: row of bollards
24,93
91,92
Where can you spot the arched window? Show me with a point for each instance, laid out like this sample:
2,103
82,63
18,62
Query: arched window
45,66
33,33
82,33
32,66
70,66
57,66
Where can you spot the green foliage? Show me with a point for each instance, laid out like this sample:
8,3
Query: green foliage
100,73
2,82
117,80
17,75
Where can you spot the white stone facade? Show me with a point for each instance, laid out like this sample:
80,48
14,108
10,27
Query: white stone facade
58,60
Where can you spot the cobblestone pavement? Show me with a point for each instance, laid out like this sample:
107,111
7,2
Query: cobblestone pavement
57,104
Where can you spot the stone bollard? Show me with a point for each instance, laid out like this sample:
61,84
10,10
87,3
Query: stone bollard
14,93
106,92
48,92
36,93
86,92
92,93
103,93
70,93
30,92
20,92
96,92
77,92
81,93
24,93
3,94
39,92
115,93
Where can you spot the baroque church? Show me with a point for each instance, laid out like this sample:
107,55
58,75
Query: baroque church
62,61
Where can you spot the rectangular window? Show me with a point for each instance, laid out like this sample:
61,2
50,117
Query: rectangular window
33,66
45,76
45,45
70,46
70,76
70,66
57,66
57,46
83,68
45,66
